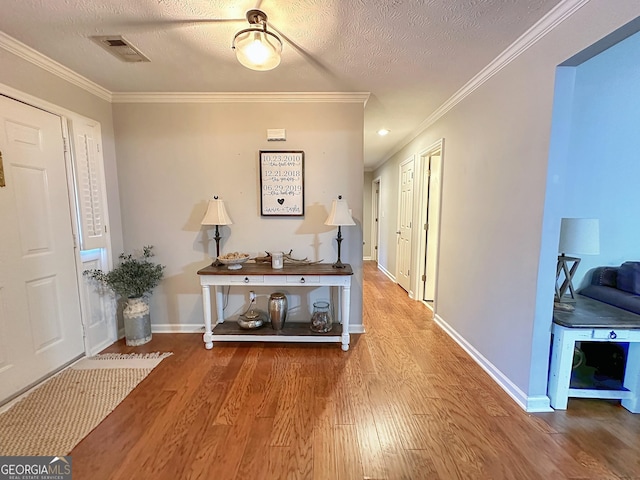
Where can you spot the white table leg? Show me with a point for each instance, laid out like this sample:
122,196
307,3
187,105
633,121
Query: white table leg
560,371
345,301
206,306
219,304
632,378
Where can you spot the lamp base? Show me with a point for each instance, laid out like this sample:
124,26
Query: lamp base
566,268
563,306
217,237
339,264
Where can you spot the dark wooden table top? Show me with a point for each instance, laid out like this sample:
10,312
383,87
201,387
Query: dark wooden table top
590,313
288,269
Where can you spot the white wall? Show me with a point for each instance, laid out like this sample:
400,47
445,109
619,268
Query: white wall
24,76
173,157
497,146
602,161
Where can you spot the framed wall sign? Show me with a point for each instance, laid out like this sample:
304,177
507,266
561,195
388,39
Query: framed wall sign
281,183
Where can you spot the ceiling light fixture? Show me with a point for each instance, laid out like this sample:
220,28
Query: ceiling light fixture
383,131
255,47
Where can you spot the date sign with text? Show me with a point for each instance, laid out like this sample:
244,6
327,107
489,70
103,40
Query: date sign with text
281,183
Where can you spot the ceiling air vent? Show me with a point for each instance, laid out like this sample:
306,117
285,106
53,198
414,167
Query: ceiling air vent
121,48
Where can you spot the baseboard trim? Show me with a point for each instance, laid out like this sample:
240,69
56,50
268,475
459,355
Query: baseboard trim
179,328
366,259
356,329
428,305
387,273
532,404
539,404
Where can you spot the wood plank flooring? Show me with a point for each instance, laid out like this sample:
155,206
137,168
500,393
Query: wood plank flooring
405,402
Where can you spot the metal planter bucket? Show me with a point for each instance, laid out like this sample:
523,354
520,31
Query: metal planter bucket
137,322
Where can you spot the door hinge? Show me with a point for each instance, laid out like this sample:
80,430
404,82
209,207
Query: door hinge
98,147
424,278
428,173
426,226
105,229
65,144
75,240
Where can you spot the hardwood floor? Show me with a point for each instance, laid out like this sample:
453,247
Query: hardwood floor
405,402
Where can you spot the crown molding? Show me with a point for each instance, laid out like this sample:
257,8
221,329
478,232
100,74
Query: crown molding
240,97
546,24
29,54
21,50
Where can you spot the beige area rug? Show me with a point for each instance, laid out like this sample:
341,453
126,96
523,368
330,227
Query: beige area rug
55,416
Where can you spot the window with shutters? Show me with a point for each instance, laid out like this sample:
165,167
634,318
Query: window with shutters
87,160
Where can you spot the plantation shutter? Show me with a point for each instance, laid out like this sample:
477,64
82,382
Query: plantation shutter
87,158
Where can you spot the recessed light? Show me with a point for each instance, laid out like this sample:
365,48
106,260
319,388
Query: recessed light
383,131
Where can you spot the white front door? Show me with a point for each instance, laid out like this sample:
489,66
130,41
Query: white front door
405,217
40,324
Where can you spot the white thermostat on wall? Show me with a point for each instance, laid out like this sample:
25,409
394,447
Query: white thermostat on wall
276,135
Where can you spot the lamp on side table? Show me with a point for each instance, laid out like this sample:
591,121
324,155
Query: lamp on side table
216,215
577,236
339,216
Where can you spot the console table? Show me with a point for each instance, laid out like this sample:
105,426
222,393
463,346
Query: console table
262,275
594,321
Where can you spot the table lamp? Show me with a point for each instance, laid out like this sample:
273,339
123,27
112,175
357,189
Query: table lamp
577,236
216,215
339,216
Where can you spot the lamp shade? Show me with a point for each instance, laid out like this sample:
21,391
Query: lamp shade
216,213
258,49
580,236
339,214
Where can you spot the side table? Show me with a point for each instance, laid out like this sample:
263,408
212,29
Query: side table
262,275
593,321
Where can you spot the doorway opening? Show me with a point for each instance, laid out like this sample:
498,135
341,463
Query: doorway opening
375,218
430,207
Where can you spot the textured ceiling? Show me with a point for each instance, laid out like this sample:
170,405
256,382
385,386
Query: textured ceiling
411,55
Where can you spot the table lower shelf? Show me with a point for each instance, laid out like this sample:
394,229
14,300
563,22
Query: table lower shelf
229,331
605,393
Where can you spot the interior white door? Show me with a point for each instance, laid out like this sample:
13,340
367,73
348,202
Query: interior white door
40,323
375,220
434,188
405,216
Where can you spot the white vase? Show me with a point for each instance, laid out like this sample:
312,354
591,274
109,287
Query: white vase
137,322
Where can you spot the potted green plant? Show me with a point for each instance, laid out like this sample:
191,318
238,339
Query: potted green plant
133,280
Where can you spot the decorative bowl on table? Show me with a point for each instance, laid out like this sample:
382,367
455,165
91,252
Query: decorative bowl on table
233,260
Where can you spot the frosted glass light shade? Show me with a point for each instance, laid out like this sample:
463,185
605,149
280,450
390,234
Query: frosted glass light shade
258,49
580,236
340,214
216,213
